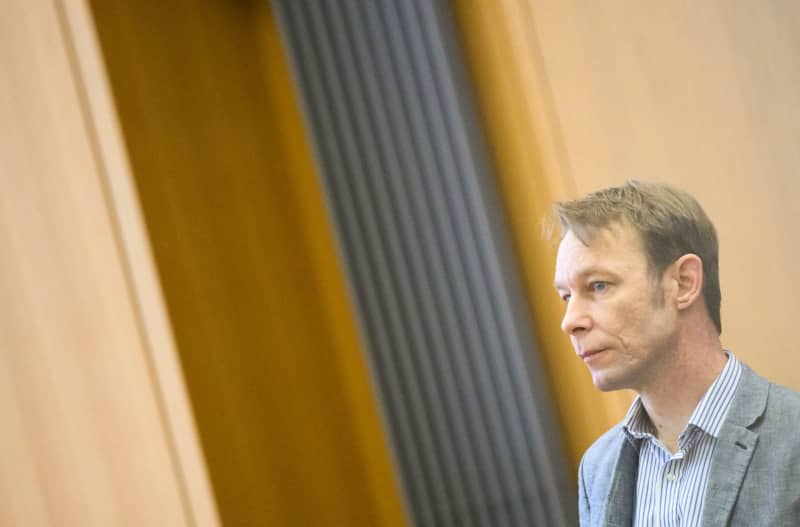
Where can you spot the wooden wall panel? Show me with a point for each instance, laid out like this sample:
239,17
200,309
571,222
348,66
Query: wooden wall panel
84,440
251,276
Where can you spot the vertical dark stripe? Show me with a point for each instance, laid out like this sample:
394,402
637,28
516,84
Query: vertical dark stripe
421,232
350,220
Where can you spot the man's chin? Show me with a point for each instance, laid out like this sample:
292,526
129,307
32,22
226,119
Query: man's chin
607,383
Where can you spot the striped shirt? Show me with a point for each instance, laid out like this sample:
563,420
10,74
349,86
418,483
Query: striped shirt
671,488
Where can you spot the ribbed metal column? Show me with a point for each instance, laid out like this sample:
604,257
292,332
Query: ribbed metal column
411,193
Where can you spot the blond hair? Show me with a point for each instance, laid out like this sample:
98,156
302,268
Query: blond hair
669,222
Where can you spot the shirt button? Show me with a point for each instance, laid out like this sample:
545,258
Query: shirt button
671,477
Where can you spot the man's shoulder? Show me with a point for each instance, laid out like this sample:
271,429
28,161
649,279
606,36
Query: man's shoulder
787,398
776,423
783,410
770,484
782,404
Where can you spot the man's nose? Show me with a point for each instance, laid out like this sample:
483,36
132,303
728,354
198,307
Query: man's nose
576,318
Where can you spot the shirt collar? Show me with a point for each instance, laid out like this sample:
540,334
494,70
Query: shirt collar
712,408
709,414
637,424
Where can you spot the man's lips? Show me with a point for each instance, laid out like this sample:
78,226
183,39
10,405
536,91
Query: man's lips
588,354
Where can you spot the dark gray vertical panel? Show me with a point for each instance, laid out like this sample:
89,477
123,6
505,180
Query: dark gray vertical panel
421,230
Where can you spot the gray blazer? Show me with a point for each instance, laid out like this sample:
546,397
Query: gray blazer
755,471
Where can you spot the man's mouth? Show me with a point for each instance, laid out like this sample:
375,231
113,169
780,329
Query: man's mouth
589,354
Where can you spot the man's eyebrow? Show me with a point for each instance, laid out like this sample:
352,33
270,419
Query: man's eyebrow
583,273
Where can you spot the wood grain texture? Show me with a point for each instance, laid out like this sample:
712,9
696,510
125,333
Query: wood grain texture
134,243
83,441
250,272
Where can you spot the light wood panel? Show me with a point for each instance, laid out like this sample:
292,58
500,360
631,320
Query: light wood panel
250,271
582,95
102,119
84,438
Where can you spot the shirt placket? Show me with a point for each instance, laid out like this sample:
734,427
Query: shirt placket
669,495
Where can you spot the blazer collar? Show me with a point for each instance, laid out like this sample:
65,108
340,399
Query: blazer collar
622,491
734,450
735,447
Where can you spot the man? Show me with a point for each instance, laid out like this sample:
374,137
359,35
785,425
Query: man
707,441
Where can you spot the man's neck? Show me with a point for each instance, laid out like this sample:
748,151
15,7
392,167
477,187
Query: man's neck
671,399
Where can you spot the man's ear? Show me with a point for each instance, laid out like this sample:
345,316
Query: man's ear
688,271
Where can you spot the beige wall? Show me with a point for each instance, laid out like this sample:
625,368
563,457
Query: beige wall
705,95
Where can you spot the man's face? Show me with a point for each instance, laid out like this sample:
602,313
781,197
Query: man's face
616,316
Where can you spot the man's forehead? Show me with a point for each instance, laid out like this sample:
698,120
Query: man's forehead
614,236
575,262
607,249
609,235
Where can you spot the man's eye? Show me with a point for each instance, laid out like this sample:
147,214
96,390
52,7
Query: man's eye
598,287
565,297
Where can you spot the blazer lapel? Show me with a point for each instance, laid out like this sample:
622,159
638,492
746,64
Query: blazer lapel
734,449
621,494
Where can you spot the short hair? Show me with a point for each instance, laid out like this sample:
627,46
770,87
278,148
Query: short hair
669,222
